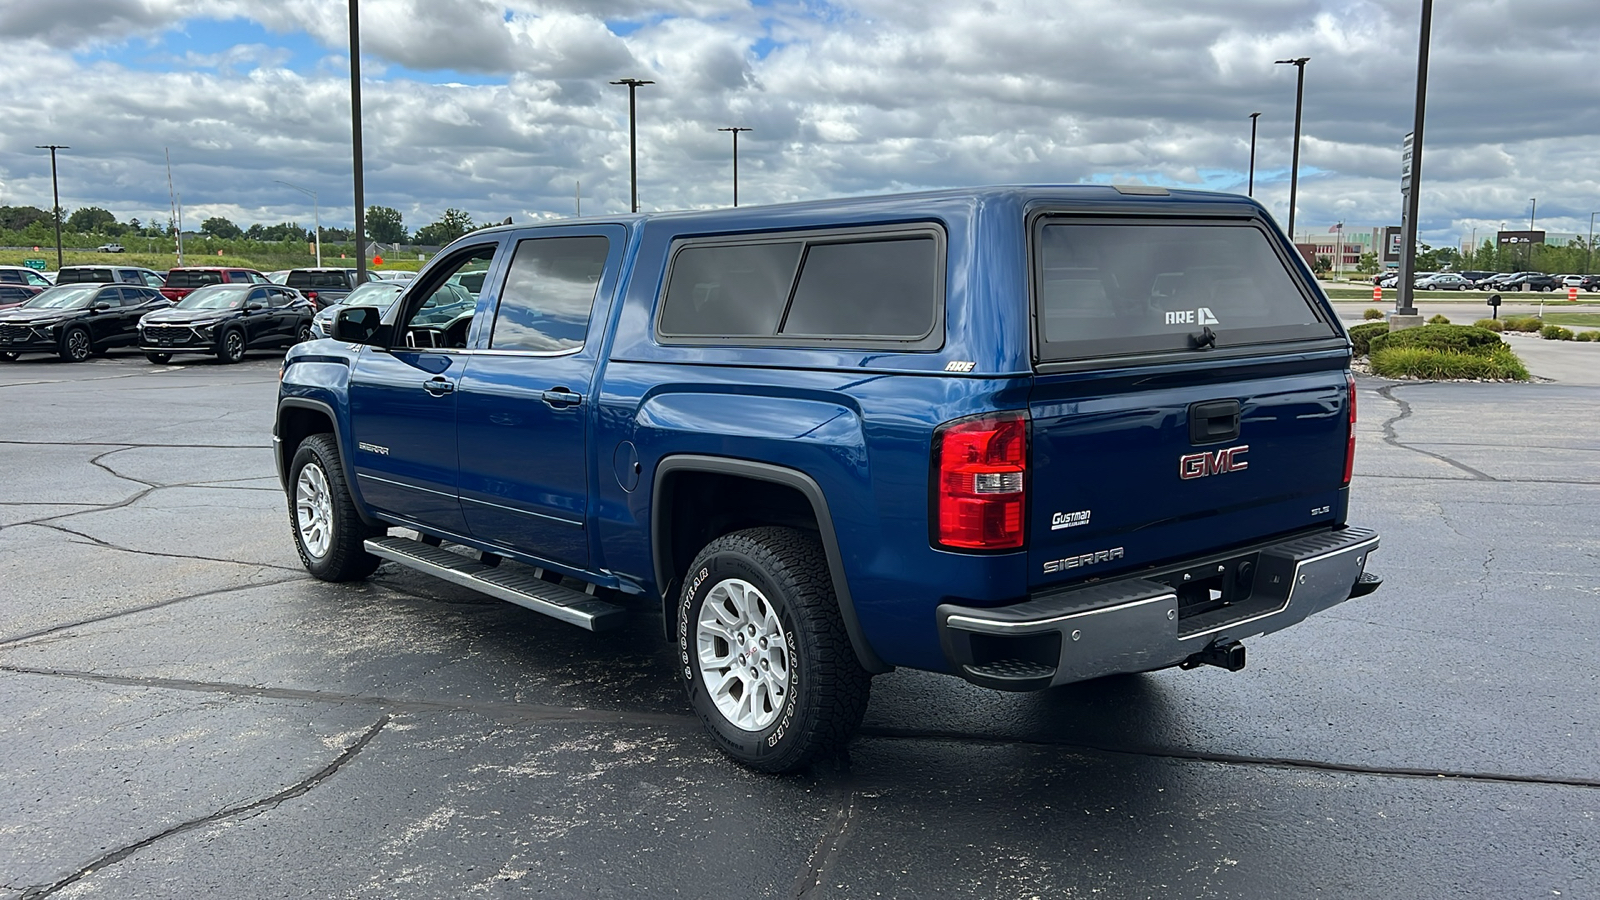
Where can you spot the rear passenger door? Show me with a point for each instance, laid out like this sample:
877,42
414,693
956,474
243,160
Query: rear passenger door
525,398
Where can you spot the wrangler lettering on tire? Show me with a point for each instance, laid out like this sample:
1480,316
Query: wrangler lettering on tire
765,658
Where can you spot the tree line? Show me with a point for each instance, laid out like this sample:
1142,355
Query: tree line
384,224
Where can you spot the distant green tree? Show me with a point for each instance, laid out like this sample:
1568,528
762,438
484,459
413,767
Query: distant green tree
1368,264
218,227
89,220
1322,265
283,231
453,224
16,218
341,235
385,224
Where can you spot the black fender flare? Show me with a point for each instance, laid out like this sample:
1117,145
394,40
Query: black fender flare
345,460
661,536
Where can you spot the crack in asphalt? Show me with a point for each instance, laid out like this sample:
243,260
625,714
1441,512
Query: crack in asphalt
830,844
94,620
1551,481
297,789
107,545
548,713
1391,438
126,444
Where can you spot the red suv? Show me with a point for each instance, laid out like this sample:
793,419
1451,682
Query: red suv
181,281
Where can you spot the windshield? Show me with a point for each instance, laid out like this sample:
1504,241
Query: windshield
63,298
85,275
217,296
378,292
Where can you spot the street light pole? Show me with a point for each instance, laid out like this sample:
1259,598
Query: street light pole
355,143
1299,99
633,136
55,192
1251,190
316,214
1531,210
1588,259
1405,304
735,131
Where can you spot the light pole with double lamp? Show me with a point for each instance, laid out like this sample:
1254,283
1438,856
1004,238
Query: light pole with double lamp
633,137
316,215
735,130
1299,99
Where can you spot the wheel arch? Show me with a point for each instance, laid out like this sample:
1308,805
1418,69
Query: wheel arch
670,534
298,419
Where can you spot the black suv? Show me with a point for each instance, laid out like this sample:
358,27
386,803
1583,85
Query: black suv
225,320
76,320
1530,281
323,287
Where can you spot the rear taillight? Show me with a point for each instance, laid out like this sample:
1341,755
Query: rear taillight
1350,445
980,469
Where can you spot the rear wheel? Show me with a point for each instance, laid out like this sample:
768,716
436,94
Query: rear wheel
304,333
159,359
230,347
76,346
763,651
328,531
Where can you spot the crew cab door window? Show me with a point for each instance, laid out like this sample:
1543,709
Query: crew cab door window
548,294
443,315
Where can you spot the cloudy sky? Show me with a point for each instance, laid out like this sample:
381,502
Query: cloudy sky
503,108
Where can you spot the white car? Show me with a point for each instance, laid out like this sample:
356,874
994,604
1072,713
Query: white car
109,248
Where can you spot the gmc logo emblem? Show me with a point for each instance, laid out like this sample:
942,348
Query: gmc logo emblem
1199,465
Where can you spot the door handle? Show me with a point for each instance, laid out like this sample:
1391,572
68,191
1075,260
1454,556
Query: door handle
438,387
559,397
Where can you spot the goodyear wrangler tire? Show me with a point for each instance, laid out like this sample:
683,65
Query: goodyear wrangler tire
763,651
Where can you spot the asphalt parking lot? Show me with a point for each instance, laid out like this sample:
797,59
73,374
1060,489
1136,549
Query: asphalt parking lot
189,714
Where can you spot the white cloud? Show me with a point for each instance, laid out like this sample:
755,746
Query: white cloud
846,97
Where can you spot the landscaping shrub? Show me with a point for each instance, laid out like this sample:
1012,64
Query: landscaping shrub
1588,336
1525,323
1371,314
1438,319
1361,336
1457,338
1555,333
1425,362
1494,325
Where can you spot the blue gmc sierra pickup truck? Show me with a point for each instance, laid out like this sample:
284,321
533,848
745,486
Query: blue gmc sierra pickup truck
1022,435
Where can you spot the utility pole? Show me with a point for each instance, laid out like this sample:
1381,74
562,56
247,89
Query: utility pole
1588,258
735,130
1405,304
55,191
633,135
1531,210
1252,189
1299,99
355,141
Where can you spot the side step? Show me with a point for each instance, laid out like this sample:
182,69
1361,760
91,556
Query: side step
521,588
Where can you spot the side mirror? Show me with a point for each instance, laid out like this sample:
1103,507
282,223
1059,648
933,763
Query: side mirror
254,306
100,306
356,324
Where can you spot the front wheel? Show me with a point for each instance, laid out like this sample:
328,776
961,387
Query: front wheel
763,650
304,334
328,531
76,346
230,349
159,359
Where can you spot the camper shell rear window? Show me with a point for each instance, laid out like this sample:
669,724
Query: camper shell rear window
1118,287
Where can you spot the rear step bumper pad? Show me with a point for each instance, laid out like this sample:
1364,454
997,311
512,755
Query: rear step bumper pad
541,596
1132,625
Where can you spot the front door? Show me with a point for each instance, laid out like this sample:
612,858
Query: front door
403,403
526,397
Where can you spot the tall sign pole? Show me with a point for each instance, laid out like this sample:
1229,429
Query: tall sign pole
735,130
355,141
55,192
1299,102
1252,187
633,137
1411,177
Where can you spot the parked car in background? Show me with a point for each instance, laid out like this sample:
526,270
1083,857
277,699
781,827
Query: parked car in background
1590,283
1475,275
323,287
76,321
110,275
1387,279
1529,281
279,277
1444,281
394,275
226,321
182,280
112,247
374,293
1493,282
1570,281
17,294
23,275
